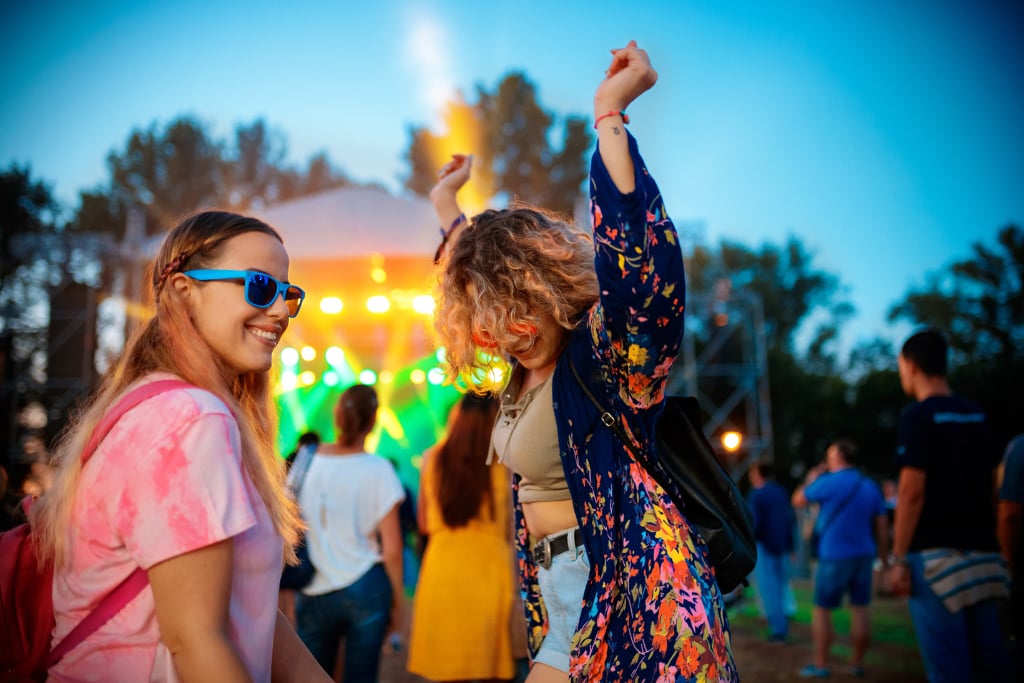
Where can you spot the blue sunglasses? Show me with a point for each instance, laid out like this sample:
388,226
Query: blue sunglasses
261,290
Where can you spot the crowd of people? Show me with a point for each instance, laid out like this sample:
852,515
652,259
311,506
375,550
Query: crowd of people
551,553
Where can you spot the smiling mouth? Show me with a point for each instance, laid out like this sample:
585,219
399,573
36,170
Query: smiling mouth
270,337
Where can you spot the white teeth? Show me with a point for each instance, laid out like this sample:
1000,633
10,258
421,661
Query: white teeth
264,334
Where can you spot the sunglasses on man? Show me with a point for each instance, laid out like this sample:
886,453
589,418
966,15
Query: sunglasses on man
261,290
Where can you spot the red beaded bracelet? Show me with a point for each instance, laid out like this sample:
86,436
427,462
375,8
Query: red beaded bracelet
625,117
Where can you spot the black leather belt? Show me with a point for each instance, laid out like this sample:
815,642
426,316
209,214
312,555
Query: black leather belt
552,546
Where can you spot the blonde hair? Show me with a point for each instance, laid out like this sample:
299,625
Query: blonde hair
169,342
504,272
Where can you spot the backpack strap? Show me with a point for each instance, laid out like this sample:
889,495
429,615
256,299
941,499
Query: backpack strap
117,599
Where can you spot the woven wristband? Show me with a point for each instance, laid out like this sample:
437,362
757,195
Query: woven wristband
614,112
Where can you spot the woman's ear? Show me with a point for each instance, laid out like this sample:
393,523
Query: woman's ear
181,285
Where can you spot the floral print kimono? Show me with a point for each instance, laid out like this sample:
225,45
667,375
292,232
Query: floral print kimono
651,608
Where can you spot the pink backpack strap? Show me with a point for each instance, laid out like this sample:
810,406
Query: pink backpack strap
117,599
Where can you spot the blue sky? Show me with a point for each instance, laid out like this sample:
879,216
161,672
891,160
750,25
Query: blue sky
885,135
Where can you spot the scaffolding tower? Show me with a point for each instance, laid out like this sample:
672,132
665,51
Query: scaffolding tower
724,363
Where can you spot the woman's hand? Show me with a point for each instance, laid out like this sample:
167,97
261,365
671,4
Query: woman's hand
452,177
629,76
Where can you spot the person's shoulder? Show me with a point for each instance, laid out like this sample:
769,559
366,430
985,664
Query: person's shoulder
180,404
1015,448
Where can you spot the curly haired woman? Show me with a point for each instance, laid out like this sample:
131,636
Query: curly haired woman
616,586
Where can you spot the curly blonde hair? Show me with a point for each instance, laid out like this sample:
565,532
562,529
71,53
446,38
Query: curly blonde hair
505,271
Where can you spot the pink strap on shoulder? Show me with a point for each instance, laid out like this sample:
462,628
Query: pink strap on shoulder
117,599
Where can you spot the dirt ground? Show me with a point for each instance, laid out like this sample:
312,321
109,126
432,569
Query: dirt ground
892,657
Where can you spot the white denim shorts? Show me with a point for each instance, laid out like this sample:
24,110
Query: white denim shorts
561,587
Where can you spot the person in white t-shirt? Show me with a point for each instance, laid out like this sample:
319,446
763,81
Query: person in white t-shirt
350,500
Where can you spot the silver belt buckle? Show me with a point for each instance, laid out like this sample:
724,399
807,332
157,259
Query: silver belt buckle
542,553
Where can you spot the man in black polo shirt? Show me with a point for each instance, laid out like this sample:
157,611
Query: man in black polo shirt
945,552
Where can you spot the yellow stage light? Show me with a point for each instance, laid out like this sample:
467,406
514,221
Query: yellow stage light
307,378
379,275
334,356
308,353
731,441
386,377
289,356
424,303
378,304
368,377
417,376
331,305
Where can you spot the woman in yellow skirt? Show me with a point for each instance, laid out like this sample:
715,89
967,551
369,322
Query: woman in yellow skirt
462,609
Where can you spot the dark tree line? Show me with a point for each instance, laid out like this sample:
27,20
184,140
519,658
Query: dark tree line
526,152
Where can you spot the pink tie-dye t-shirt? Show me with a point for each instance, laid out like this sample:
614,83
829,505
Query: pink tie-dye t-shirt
167,480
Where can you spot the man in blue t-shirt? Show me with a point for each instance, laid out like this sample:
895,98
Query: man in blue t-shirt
852,513
945,552
773,531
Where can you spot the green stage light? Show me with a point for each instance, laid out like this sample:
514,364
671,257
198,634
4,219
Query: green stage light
331,378
435,376
368,377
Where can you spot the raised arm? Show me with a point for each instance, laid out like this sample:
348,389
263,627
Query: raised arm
443,196
629,76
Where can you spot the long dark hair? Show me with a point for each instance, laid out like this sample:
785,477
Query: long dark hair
463,475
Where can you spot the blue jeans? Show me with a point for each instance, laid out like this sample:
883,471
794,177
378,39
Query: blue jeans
966,646
359,613
772,575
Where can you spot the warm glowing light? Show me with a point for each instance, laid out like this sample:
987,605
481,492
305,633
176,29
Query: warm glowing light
331,305
731,441
417,376
496,376
379,275
289,380
386,377
378,304
331,378
307,378
435,376
368,377
424,304
308,353
334,356
289,356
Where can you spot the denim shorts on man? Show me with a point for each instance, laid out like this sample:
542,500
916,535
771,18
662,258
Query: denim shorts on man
561,587
835,578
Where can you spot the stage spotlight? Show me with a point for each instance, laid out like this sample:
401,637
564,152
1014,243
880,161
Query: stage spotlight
289,356
386,377
424,303
331,378
378,304
440,355
368,377
331,305
417,376
308,353
379,275
334,356
307,378
435,376
289,380
731,441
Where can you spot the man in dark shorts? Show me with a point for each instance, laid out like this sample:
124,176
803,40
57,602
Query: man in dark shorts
851,515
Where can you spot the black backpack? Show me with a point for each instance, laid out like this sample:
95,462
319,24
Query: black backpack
689,471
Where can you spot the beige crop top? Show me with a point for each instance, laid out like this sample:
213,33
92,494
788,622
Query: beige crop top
525,440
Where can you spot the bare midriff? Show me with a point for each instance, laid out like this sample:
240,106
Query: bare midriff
547,517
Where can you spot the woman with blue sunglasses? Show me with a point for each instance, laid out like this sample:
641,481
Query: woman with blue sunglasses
185,489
